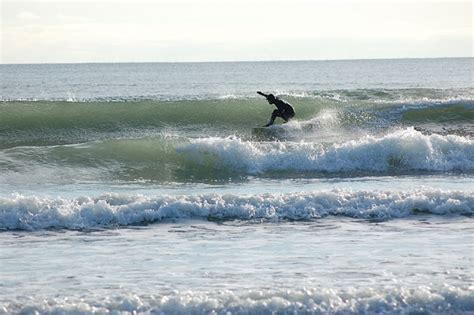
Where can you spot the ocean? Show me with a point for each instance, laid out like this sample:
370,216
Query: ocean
151,188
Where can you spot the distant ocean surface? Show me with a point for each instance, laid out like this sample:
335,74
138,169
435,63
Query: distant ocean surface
146,187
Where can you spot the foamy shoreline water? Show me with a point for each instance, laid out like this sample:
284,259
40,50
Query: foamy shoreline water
337,264
447,299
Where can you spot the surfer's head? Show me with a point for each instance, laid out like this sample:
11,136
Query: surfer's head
270,98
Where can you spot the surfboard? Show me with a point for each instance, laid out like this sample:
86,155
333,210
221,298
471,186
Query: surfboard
267,133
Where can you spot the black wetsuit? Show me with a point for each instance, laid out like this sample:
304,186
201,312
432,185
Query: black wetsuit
285,111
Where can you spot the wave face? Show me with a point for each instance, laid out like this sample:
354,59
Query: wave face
48,122
423,299
36,213
444,114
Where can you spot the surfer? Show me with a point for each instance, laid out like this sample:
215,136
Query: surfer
284,110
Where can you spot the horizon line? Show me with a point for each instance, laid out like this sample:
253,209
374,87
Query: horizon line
231,61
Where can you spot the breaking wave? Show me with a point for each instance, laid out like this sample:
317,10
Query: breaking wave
111,210
179,159
407,150
47,122
420,300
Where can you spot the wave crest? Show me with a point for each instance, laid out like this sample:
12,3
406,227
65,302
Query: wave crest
169,158
111,210
423,299
405,150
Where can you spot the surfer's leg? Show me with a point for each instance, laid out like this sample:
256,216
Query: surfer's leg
288,116
275,114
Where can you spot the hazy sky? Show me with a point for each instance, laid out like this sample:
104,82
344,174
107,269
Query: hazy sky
210,30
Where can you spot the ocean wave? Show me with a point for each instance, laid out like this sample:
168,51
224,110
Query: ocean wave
374,95
405,150
33,118
415,96
169,158
60,122
441,114
445,299
111,210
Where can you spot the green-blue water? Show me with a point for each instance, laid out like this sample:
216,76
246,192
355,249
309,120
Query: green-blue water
149,188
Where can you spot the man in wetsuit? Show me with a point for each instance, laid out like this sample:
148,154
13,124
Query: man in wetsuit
284,110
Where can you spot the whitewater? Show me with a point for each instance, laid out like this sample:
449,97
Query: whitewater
148,188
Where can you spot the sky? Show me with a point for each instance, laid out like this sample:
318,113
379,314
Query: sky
69,31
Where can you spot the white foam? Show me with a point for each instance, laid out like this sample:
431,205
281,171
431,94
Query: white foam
110,210
229,97
327,118
402,150
423,299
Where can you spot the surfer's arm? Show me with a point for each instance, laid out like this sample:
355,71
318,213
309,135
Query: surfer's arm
266,96
262,94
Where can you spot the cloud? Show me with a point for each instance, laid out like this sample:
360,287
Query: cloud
165,30
73,19
25,15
